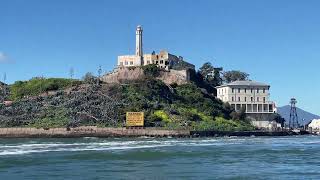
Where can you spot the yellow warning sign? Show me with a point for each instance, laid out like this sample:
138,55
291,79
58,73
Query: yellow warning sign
134,119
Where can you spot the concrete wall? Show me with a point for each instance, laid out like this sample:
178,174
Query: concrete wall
129,60
92,131
88,131
263,121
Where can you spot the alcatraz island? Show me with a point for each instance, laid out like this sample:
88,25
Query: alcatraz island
157,94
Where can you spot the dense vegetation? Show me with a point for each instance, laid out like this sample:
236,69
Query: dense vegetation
39,85
90,102
185,106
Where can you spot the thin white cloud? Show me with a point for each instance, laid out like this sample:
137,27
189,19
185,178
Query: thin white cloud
4,58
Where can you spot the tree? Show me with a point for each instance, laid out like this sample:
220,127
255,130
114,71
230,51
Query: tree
71,72
90,78
99,71
238,115
207,71
230,76
99,74
211,74
151,71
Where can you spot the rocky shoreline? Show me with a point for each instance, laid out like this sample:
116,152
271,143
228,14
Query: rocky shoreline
91,131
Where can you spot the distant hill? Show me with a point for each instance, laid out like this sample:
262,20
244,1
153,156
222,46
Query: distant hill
284,111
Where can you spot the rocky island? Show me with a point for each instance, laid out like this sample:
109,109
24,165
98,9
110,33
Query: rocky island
171,93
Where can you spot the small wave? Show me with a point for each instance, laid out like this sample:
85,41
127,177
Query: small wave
110,145
90,138
89,148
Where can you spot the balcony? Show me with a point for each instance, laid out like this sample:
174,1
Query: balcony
253,107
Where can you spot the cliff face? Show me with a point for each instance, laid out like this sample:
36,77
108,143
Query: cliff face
174,76
123,75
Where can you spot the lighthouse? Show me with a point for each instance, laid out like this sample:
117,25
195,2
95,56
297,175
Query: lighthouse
139,51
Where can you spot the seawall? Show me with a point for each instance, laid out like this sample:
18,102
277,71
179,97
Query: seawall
245,133
88,131
92,131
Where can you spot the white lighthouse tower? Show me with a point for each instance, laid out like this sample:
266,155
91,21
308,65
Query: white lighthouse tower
139,51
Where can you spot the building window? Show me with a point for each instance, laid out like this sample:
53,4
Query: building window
232,90
239,99
238,90
245,99
245,90
232,99
251,99
161,62
131,62
148,62
257,90
251,90
121,63
257,99
264,90
157,62
126,63
264,99
166,62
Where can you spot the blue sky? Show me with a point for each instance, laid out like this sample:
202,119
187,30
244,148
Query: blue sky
276,42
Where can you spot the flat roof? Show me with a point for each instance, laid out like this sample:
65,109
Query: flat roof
245,83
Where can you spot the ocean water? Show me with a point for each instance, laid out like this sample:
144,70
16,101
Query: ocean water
296,157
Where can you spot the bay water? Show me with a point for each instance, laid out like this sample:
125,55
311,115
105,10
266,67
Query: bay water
292,157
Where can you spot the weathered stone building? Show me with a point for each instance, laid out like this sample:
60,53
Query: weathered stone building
174,68
163,59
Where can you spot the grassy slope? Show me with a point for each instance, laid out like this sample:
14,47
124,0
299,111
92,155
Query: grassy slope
185,107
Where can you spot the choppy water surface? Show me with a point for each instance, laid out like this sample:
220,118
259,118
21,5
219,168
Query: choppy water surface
151,158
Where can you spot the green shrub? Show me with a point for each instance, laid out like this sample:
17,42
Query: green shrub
36,86
162,115
221,124
151,70
51,118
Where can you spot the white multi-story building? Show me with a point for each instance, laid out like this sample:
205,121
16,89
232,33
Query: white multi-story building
252,97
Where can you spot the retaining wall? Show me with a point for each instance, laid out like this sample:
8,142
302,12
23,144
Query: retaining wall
92,131
89,132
